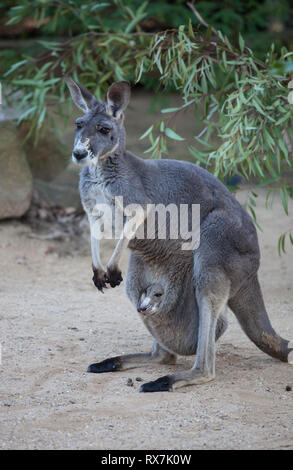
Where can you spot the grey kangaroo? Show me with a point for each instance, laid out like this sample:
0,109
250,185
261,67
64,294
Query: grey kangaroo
223,270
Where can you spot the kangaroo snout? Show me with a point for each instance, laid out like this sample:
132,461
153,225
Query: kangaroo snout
79,154
141,309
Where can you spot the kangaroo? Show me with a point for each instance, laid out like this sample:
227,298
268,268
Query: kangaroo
224,266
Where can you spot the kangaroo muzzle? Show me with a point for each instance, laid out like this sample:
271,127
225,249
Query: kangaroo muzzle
80,154
146,306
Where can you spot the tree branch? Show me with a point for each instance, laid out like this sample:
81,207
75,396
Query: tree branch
199,17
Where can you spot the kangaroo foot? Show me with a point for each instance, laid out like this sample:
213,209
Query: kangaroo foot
114,276
99,279
163,384
108,365
181,379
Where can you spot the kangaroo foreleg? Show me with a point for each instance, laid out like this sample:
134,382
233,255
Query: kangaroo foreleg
99,277
130,229
129,361
114,274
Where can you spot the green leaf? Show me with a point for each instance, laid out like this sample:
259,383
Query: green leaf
281,244
15,67
172,134
134,22
147,132
241,43
209,32
169,110
284,198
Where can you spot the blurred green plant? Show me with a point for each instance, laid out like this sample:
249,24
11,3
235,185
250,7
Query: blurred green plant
259,21
241,103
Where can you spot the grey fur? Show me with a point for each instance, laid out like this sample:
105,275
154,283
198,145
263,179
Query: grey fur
163,316
200,284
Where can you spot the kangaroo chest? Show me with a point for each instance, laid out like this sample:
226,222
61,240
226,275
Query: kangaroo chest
94,190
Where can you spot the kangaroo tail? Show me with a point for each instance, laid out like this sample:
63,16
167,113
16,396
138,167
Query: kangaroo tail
249,308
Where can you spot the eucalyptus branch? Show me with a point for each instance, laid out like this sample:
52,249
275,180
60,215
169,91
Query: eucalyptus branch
200,18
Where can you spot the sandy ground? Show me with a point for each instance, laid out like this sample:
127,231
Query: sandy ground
54,323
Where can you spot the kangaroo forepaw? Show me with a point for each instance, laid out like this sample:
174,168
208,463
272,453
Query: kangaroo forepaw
100,279
163,384
108,365
114,276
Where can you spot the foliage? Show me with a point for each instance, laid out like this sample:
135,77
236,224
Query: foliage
259,21
240,101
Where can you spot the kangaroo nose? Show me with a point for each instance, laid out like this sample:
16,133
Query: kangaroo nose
141,309
79,155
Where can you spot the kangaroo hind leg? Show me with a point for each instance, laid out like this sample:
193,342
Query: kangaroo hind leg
129,361
222,324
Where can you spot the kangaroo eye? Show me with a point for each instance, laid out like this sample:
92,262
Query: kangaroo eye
158,295
103,130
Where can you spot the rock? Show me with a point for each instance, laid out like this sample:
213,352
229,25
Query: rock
49,157
16,182
9,109
129,383
62,191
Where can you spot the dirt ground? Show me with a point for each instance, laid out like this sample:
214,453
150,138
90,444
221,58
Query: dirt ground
54,323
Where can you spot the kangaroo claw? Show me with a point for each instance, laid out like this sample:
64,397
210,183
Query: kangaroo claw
100,280
114,277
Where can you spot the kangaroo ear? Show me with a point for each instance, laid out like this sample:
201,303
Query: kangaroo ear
81,97
118,98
